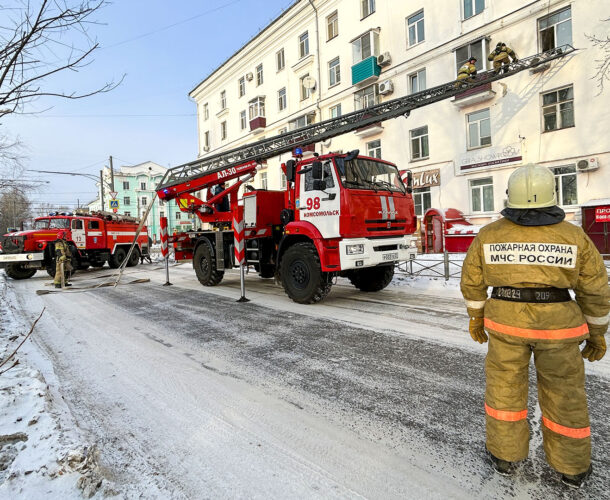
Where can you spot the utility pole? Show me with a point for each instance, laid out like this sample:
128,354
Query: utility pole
111,176
102,188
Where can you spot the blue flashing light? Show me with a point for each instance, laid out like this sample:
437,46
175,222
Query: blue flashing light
166,191
298,152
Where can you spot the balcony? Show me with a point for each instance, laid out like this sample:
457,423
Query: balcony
258,124
369,130
473,96
366,71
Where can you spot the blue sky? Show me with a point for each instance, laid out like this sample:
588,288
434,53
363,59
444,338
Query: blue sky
149,116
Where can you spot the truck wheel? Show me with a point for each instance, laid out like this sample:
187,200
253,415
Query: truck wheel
204,264
117,258
372,279
302,276
134,258
18,272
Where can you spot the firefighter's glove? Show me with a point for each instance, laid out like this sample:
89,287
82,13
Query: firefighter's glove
63,258
595,348
477,332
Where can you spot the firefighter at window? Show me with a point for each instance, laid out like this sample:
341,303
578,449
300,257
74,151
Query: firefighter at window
501,57
63,260
468,70
223,204
532,258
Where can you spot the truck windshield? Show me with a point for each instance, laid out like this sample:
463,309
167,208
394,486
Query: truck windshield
59,223
41,224
361,173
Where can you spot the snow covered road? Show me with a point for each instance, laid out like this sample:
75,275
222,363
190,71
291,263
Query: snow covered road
189,394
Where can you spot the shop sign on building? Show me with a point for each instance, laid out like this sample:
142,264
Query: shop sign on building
427,178
495,156
602,214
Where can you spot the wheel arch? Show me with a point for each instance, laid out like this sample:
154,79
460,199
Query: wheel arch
297,232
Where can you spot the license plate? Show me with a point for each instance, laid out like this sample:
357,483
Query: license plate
390,256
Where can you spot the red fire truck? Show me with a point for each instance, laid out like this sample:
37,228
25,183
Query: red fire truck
94,239
340,215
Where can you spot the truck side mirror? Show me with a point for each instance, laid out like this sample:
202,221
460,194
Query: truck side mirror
290,170
317,172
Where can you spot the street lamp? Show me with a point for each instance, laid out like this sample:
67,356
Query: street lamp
89,176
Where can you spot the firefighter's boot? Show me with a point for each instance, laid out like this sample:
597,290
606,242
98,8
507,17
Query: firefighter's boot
576,480
502,467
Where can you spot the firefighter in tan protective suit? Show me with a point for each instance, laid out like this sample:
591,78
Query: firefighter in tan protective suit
532,258
501,57
63,259
467,71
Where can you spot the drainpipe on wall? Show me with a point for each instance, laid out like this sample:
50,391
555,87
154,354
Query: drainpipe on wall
319,98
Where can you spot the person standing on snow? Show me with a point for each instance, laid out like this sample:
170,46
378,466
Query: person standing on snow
63,260
532,258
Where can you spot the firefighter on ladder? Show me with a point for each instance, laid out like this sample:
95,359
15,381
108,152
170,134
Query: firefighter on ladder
63,261
501,57
467,71
531,258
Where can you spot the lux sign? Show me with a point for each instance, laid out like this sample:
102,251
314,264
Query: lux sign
427,178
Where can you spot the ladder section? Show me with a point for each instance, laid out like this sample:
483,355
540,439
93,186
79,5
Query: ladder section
317,132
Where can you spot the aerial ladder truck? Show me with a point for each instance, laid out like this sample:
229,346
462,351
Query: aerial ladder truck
339,215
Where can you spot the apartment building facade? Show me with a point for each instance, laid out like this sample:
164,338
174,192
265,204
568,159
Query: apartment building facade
135,188
324,58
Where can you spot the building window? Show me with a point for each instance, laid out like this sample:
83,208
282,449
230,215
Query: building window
479,129
332,26
243,122
415,28
144,201
334,73
126,200
257,108
128,214
223,131
474,49
482,195
280,62
473,7
206,140
206,111
281,99
365,46
373,148
367,97
178,215
335,111
558,109
161,213
419,143
555,30
367,7
565,185
301,121
223,99
143,186
259,75
303,45
422,200
417,81
263,180
241,86
125,184
305,90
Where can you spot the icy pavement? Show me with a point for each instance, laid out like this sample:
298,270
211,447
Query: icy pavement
183,393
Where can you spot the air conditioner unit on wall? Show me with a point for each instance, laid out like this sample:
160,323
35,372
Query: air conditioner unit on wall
587,164
386,87
384,59
249,76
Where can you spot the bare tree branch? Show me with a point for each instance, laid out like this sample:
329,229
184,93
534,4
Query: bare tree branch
602,74
39,41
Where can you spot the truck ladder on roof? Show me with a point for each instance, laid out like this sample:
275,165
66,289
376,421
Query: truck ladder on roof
317,132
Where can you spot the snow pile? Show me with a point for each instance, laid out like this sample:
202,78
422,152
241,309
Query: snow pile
40,449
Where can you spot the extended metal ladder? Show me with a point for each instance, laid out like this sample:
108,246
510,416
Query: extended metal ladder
317,132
